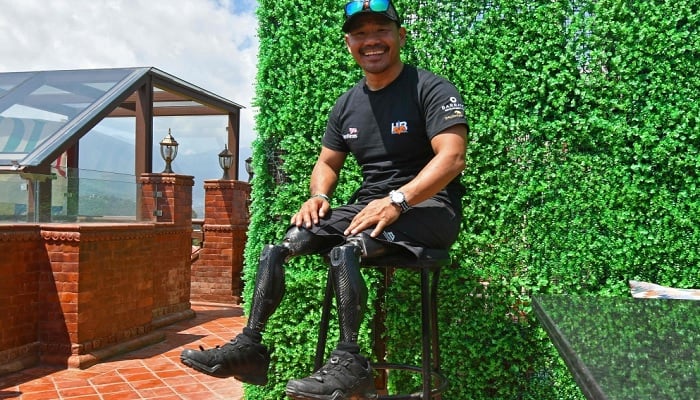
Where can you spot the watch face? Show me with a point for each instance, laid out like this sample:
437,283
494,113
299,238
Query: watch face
397,197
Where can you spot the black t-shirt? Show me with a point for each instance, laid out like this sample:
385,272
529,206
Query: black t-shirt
389,131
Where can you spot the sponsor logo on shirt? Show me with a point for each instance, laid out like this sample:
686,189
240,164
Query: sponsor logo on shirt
453,105
399,127
453,109
352,134
455,114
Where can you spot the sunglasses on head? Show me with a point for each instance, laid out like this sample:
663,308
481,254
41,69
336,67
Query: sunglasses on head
356,6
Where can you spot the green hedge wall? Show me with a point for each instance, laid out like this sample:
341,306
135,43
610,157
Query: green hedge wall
582,171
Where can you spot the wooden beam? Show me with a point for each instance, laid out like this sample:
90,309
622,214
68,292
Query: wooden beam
144,129
175,111
234,127
187,106
143,141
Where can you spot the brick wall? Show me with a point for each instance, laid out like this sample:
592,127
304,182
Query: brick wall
98,290
172,249
21,261
72,294
58,284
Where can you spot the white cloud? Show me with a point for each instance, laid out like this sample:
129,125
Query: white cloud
211,44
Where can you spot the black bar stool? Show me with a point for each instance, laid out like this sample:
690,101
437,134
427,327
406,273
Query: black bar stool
429,265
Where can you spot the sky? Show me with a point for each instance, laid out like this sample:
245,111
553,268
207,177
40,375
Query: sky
209,43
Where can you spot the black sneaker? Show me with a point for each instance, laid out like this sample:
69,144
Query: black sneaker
344,376
241,358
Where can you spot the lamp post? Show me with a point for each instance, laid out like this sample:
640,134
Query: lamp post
225,160
168,150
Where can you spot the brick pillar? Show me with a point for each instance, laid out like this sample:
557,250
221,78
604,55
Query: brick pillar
167,201
167,198
216,274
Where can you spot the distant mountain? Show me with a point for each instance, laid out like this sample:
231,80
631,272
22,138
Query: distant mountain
100,152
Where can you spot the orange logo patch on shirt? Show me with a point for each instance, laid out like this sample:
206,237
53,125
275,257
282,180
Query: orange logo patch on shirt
399,128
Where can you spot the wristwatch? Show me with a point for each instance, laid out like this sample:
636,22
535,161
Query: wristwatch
399,199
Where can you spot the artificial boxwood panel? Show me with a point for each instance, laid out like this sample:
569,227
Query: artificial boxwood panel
582,172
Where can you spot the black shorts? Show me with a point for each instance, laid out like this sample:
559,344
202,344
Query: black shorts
431,224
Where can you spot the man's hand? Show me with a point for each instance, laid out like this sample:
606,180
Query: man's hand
310,212
379,213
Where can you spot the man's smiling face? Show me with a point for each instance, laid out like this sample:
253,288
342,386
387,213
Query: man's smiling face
375,43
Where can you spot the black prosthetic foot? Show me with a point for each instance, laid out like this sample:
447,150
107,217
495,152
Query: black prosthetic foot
241,358
344,376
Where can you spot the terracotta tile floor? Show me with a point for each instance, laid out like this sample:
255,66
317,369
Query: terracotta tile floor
153,372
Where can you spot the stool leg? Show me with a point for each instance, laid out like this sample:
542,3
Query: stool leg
435,333
323,328
379,345
426,311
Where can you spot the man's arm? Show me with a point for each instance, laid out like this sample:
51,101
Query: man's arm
324,179
450,148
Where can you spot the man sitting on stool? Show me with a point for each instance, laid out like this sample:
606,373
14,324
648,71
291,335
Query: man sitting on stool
407,129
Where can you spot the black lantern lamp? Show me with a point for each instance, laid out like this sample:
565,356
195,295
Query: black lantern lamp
168,150
249,167
225,160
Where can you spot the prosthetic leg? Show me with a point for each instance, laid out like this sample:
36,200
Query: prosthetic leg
347,373
269,282
350,289
245,357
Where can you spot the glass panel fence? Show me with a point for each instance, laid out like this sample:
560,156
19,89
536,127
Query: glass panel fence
68,195
13,198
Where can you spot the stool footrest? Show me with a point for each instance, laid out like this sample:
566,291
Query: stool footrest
440,382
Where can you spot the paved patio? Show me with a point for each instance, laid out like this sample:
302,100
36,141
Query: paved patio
153,372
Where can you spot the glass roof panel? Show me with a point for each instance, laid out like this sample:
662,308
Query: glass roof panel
36,106
45,113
